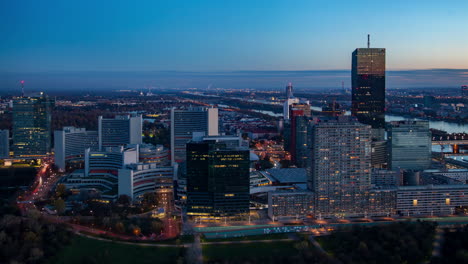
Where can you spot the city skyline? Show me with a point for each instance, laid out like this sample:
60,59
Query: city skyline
63,43
233,131
89,81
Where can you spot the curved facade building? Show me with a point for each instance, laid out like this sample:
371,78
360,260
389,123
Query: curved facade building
102,170
137,179
154,154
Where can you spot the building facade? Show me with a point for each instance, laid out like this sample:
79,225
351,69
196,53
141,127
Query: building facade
4,143
217,179
186,121
297,137
119,131
70,144
101,172
410,145
32,126
368,86
135,180
431,199
379,157
290,204
154,154
341,167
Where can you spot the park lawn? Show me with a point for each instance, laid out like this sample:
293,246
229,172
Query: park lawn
239,252
87,250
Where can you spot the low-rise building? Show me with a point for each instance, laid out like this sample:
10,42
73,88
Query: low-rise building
430,199
290,204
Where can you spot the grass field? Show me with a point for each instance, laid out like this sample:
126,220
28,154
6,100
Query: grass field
240,252
87,250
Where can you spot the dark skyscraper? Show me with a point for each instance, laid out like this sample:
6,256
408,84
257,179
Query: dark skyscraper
31,126
297,135
217,178
368,86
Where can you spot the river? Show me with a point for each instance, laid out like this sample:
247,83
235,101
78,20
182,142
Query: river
439,125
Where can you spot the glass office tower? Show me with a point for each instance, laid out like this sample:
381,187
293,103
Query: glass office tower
368,86
217,178
32,126
410,145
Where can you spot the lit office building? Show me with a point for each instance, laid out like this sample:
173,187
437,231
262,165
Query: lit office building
32,126
70,144
368,86
409,145
4,143
217,178
341,167
119,131
186,121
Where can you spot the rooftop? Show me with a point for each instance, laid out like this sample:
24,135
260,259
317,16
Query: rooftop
288,175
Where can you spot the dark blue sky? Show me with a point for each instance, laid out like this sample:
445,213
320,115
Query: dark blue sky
207,36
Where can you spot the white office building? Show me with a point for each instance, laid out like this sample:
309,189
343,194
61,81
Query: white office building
70,145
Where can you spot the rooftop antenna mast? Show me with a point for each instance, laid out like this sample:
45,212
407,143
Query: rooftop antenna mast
368,40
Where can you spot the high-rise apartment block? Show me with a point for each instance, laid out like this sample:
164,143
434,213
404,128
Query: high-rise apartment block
186,121
32,126
119,131
409,145
217,178
368,86
341,167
